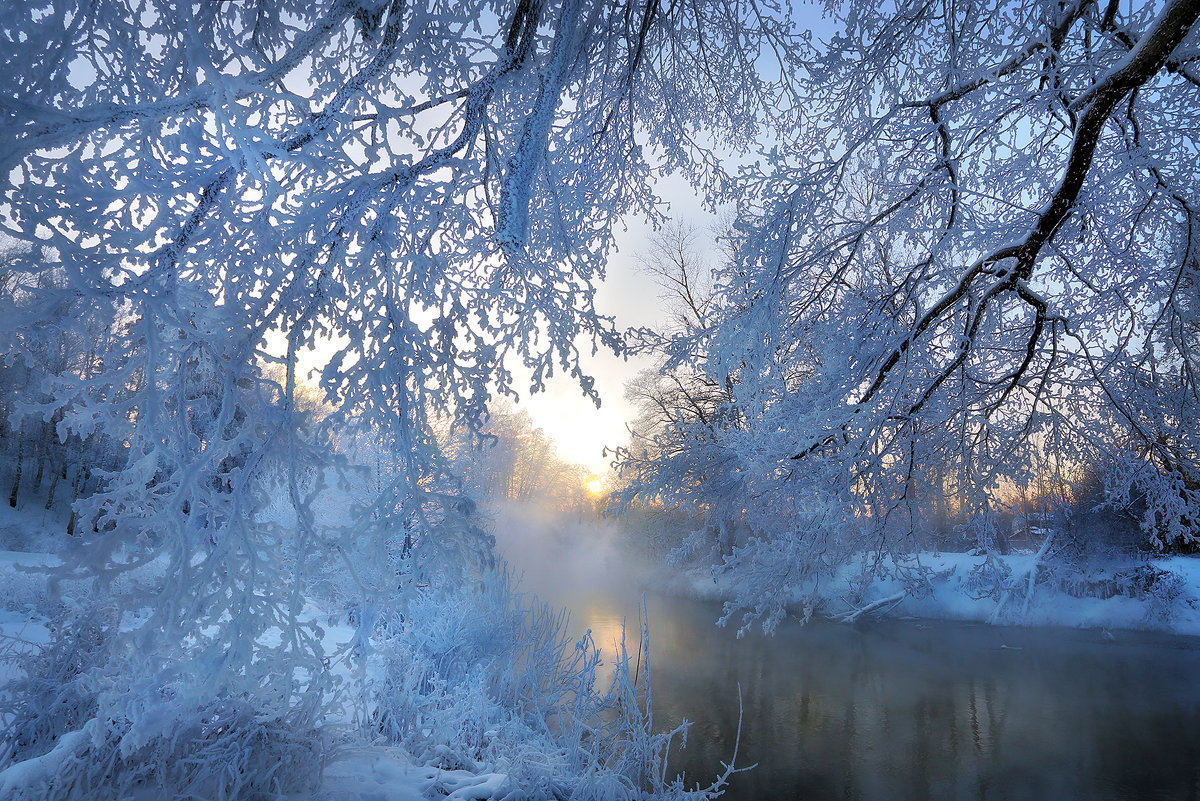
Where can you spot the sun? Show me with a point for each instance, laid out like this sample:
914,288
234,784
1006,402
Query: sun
595,485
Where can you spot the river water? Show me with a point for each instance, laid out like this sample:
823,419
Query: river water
897,709
925,710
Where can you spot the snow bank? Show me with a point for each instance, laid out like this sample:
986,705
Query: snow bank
384,773
1160,594
1075,600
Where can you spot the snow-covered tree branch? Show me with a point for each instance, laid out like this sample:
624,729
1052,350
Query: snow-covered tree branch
971,268
414,197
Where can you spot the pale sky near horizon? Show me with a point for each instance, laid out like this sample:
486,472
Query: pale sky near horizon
580,431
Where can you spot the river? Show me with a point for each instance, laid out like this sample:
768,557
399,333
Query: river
895,709
924,710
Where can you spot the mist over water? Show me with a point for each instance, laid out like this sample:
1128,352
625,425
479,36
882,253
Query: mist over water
884,710
567,557
578,561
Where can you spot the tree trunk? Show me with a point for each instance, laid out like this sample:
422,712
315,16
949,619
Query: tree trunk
16,485
41,468
73,520
53,487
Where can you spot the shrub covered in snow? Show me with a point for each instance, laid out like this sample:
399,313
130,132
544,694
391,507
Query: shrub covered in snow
491,681
53,698
224,749
84,718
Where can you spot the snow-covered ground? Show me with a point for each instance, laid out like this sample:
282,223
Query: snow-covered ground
1159,594
389,774
23,626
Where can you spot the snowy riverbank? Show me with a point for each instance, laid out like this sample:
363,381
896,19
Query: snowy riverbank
1158,594
459,692
562,557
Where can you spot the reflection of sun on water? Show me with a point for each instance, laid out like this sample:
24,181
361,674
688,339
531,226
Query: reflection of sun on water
595,485
608,626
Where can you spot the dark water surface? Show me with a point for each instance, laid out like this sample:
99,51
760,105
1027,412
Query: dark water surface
922,710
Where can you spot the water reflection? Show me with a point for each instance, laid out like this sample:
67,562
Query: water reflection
904,710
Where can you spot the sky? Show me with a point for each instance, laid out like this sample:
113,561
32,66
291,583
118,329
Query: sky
580,431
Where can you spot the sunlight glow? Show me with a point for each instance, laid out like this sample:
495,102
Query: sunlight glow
595,485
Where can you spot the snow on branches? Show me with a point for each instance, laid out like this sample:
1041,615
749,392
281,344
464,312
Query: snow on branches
413,196
972,269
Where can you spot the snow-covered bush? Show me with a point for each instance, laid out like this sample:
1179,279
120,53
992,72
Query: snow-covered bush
226,748
80,722
50,695
489,680
458,661
988,579
1164,589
